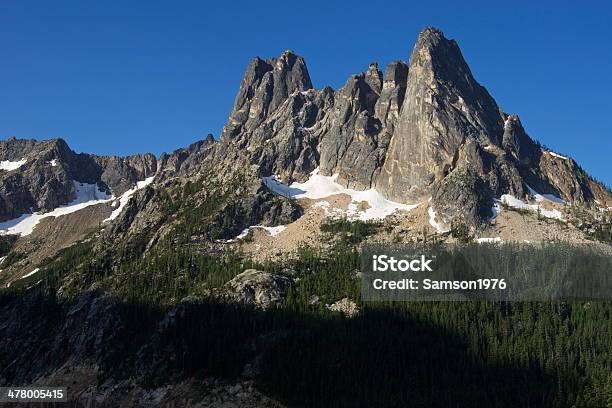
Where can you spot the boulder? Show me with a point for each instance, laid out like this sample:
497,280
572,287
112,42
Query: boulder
258,288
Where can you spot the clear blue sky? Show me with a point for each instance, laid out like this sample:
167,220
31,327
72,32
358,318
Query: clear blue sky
119,77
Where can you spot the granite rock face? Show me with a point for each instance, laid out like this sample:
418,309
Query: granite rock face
36,183
462,197
183,160
444,106
404,133
389,104
265,86
121,173
351,146
272,116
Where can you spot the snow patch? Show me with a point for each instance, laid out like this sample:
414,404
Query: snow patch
489,240
11,165
433,223
540,197
86,195
273,231
556,155
495,210
243,234
8,285
125,197
318,187
52,163
507,123
30,273
516,203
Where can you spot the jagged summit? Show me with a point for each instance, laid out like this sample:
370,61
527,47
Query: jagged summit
374,77
266,84
444,106
431,32
403,133
431,38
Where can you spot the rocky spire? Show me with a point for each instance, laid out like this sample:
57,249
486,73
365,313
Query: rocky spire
265,86
374,77
392,95
516,142
352,147
289,75
443,106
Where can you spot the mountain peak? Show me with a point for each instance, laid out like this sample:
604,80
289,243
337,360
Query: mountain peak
444,106
374,77
430,34
289,54
286,60
264,87
442,56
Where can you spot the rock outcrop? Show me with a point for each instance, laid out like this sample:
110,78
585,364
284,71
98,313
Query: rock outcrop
259,208
344,306
258,288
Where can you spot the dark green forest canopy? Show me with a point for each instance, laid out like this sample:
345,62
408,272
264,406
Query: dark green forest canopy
549,354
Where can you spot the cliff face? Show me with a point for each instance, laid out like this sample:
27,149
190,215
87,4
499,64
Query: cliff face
426,129
444,107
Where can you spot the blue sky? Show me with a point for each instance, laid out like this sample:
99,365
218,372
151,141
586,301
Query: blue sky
120,77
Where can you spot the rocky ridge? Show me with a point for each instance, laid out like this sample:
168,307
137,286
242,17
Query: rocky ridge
426,129
45,178
423,132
